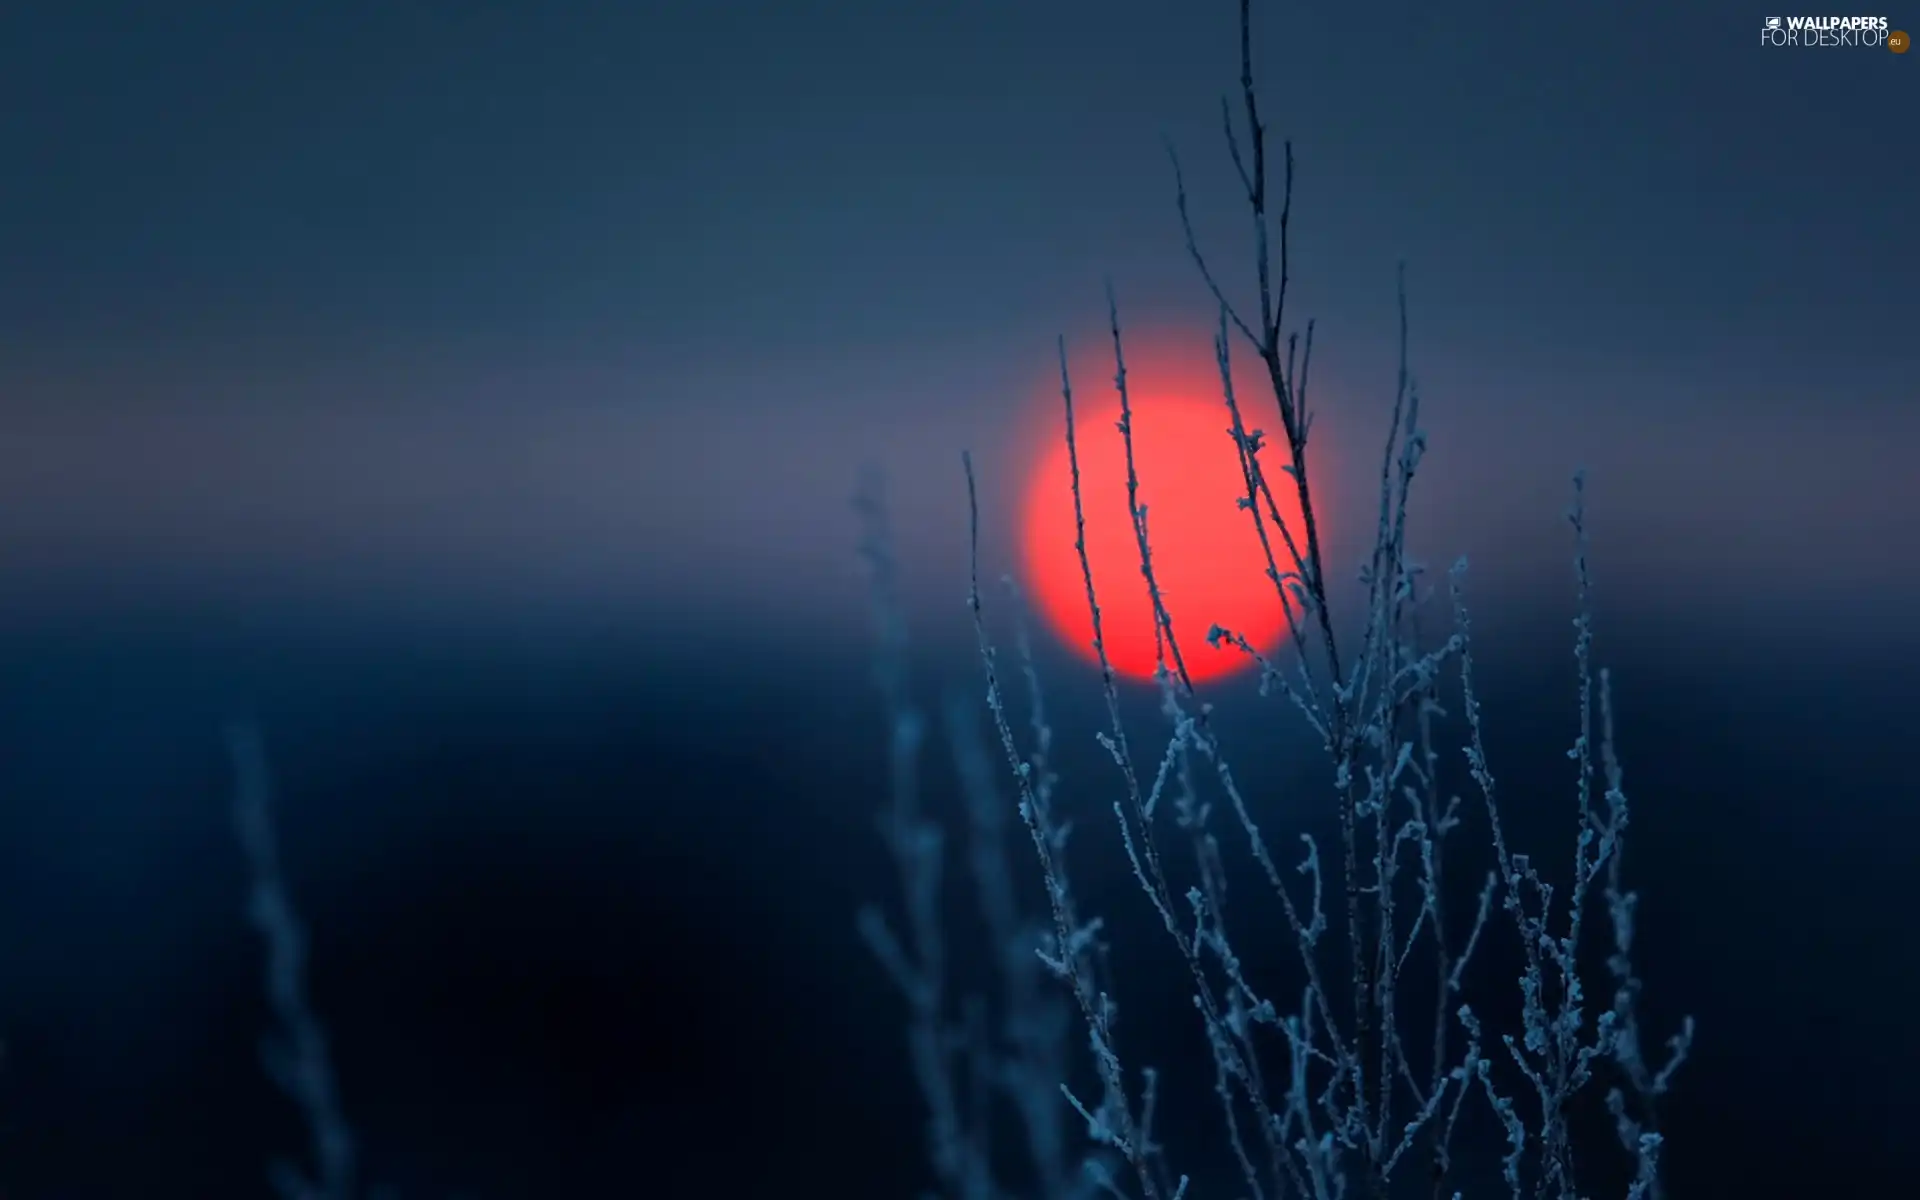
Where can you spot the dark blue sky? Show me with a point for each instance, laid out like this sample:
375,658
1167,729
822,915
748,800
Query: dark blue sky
474,296
474,390
674,173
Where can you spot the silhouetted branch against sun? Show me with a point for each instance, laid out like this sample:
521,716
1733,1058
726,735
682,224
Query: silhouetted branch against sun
1361,1083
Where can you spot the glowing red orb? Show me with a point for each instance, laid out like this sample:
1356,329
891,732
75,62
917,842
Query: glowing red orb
1207,557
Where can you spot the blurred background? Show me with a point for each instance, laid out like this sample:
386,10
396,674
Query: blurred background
472,392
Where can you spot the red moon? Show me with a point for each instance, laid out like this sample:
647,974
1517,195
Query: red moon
1207,557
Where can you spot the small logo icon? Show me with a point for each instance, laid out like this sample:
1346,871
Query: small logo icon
1773,23
1898,41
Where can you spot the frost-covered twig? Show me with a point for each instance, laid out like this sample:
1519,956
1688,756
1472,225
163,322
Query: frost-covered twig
1360,1102
967,1064
297,1059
